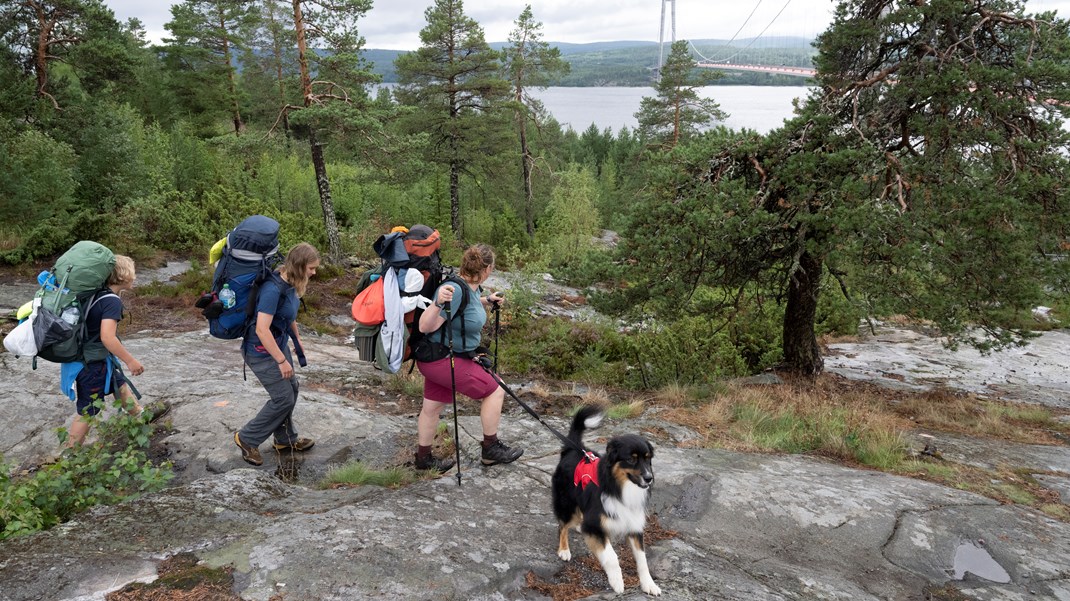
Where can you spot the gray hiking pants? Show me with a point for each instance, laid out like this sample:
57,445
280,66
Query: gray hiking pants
275,417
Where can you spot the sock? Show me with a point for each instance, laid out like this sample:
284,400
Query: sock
489,440
423,452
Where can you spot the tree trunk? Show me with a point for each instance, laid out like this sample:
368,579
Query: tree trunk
276,49
455,198
334,253
801,353
334,244
40,55
238,125
526,161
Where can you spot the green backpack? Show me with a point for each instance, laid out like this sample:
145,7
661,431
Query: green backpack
78,280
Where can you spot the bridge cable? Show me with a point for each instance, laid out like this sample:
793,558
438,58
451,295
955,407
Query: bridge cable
753,40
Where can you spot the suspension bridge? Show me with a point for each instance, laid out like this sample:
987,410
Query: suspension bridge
733,55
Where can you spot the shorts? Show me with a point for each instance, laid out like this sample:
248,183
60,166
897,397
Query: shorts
90,385
472,380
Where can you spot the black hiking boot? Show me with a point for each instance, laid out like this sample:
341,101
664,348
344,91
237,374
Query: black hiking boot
432,463
500,453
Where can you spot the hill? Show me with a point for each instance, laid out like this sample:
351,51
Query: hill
631,62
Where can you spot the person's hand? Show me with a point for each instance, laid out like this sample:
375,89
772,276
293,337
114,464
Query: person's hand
445,295
496,299
286,369
136,368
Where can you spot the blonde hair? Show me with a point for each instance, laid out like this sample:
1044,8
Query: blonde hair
476,258
123,272
295,268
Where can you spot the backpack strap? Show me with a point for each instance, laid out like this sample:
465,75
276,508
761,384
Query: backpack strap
465,291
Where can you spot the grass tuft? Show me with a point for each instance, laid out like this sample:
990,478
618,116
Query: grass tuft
358,474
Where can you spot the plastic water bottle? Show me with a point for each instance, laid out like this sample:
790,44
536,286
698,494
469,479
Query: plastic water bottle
71,315
226,296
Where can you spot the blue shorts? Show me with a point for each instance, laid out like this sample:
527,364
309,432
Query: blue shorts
90,385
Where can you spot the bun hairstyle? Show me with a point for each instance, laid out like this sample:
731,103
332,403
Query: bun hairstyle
295,268
476,258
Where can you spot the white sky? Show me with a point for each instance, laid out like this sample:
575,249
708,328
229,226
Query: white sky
395,24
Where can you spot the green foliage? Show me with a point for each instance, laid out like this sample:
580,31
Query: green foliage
687,352
559,348
571,219
108,471
358,474
677,112
39,176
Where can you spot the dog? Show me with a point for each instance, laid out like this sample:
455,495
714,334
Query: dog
604,497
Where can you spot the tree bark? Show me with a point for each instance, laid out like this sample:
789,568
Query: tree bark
801,352
238,125
334,252
334,244
276,49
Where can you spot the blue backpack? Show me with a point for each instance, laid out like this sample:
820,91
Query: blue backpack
250,255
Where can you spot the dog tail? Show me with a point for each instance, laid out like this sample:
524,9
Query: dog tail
587,418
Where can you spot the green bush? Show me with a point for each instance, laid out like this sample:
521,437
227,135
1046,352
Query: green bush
687,352
560,348
113,469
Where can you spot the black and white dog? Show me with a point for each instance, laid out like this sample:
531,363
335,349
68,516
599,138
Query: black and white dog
604,497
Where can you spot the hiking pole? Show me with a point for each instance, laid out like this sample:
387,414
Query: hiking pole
453,389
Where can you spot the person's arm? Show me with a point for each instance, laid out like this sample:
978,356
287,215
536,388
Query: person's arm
108,336
433,320
263,332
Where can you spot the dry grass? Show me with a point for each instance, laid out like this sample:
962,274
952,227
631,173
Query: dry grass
958,412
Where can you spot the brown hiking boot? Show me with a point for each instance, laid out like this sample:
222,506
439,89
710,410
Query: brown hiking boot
249,453
301,444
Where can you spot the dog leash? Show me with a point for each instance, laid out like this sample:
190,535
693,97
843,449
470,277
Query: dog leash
484,362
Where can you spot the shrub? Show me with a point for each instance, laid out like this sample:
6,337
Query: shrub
108,471
685,352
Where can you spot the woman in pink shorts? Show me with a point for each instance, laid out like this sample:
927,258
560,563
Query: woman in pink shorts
466,322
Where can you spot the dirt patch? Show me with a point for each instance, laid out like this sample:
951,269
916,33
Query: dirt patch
583,576
182,578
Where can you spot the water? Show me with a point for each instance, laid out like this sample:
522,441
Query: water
761,108
975,560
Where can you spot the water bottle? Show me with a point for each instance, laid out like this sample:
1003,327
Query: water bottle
71,315
226,296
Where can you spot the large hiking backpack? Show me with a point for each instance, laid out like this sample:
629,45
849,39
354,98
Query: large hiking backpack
249,255
77,282
405,251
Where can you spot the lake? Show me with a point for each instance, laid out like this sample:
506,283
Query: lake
761,108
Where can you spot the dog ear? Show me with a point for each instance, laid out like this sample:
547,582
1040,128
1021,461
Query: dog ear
649,447
612,450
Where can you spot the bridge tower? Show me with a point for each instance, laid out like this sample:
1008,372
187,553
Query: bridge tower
661,33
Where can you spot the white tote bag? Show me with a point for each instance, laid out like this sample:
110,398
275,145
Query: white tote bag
20,341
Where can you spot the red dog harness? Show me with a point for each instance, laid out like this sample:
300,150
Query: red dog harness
586,471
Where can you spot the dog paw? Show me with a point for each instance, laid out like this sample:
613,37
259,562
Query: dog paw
650,588
616,582
565,554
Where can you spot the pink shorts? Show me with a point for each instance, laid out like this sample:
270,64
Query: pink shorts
472,380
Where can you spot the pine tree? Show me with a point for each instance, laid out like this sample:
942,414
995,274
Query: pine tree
206,36
452,83
529,62
271,71
677,111
926,174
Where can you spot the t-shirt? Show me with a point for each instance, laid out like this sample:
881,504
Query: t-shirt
278,299
109,307
475,316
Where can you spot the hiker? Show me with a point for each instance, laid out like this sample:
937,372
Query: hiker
94,379
267,353
471,379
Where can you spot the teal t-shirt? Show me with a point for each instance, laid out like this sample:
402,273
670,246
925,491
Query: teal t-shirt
474,317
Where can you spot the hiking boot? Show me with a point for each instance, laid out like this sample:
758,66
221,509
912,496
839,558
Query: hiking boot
500,453
249,453
432,463
301,445
155,410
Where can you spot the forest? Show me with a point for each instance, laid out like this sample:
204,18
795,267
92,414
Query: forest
924,175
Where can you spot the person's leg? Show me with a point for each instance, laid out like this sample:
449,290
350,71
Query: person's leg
427,422
281,400
286,432
490,412
129,400
79,428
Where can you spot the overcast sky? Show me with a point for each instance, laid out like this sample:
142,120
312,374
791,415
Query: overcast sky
395,24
